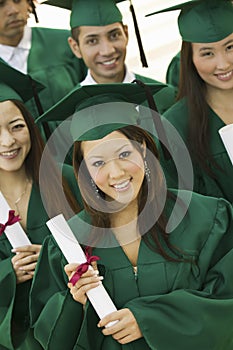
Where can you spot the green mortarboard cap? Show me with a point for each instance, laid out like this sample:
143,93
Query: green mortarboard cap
90,12
98,13
203,21
15,85
99,109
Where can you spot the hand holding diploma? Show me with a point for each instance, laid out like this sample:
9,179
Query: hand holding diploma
14,232
25,259
86,282
73,252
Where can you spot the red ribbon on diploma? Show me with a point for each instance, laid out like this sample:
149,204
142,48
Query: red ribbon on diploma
12,219
82,268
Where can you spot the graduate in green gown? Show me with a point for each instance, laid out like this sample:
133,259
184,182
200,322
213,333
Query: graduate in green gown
44,53
100,38
205,95
172,289
21,148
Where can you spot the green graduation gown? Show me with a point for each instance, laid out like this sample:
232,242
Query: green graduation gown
204,184
178,305
14,308
173,71
52,63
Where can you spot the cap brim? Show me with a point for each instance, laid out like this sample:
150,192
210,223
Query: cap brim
67,106
64,4
180,6
21,83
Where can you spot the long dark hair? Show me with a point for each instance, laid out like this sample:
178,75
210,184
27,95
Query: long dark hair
51,186
193,87
160,239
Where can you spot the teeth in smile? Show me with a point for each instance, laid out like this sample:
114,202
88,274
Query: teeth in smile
109,62
225,75
8,154
122,185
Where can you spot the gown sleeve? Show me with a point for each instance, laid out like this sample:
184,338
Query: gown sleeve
13,304
56,318
7,298
53,301
200,318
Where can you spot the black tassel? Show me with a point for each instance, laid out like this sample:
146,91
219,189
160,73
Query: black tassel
46,128
34,11
141,50
157,120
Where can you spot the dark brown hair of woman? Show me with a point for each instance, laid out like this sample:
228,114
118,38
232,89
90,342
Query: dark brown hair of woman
160,239
193,87
51,186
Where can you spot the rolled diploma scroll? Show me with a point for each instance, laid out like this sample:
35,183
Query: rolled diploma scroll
15,233
73,252
226,134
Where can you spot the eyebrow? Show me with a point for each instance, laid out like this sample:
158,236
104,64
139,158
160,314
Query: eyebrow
211,48
101,157
88,36
114,30
16,120
228,42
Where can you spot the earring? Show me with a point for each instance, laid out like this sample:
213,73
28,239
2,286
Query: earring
95,188
147,171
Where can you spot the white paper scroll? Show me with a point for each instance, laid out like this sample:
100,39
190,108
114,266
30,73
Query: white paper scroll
226,134
73,253
15,233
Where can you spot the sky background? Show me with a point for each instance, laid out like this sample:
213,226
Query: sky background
160,36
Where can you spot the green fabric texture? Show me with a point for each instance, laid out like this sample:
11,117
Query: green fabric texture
14,308
21,91
177,115
7,93
91,12
15,332
67,4
204,21
173,71
57,68
163,98
110,105
52,62
178,305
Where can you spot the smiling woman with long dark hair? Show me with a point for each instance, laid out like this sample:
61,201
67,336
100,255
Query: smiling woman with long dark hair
21,148
167,284
205,95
